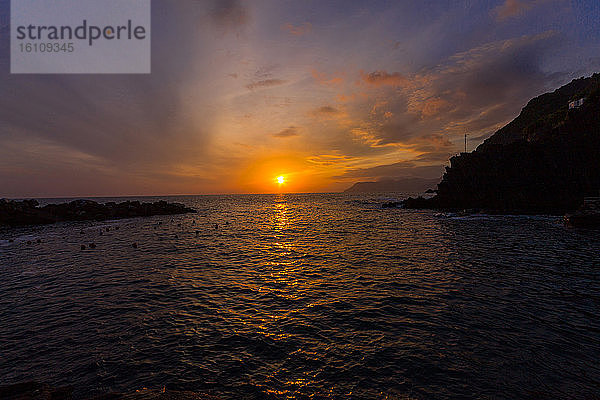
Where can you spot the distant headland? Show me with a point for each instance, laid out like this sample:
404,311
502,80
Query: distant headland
393,185
28,212
545,161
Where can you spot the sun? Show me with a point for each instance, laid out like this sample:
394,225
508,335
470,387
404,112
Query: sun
280,179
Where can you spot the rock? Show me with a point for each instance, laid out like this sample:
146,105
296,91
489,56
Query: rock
582,220
42,391
419,202
587,216
35,391
28,212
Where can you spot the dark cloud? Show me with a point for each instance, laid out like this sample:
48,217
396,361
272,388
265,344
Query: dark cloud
265,83
328,110
287,132
394,132
229,14
488,85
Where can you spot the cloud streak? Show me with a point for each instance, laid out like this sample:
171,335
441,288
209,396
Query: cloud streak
266,83
381,78
297,30
290,131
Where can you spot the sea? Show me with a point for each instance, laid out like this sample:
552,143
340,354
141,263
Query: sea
304,296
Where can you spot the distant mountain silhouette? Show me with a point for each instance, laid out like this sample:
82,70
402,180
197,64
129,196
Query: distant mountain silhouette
544,161
394,185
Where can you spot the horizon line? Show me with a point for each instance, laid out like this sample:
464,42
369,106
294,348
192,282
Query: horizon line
155,195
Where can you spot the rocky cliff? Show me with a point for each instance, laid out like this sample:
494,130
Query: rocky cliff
544,161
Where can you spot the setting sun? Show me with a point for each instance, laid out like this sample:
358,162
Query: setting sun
281,179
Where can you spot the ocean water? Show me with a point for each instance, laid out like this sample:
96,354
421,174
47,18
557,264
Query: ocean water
305,297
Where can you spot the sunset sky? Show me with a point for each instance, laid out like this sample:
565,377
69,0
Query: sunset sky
323,93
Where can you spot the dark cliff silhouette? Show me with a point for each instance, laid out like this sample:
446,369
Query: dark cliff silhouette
545,161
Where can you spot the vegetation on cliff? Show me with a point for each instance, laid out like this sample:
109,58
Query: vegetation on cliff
544,161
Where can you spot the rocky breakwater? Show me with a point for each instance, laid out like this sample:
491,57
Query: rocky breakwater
42,391
28,212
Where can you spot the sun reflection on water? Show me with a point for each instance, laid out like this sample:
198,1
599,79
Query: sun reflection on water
281,210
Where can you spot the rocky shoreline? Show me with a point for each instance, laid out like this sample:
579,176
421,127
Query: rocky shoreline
43,391
28,212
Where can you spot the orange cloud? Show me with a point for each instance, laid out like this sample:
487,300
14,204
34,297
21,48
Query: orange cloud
265,83
323,79
297,30
380,78
343,98
516,8
511,8
434,106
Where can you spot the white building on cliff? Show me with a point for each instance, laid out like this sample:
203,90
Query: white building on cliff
576,103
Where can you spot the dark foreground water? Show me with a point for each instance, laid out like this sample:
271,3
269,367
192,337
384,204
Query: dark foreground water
305,296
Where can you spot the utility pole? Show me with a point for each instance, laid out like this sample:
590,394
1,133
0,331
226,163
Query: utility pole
465,142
